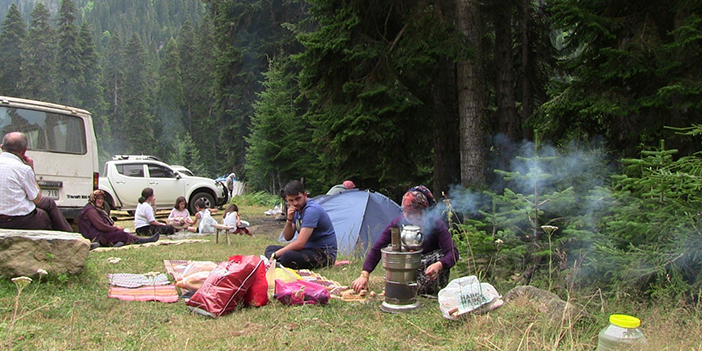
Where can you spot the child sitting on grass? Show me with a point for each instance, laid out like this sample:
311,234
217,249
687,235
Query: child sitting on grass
232,219
180,216
203,219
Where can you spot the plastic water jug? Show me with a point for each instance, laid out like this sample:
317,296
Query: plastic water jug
622,333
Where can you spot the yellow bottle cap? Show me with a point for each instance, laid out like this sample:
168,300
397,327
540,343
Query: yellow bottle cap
624,321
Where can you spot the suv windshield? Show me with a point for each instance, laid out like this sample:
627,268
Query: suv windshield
46,131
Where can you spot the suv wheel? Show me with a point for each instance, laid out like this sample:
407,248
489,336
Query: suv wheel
209,201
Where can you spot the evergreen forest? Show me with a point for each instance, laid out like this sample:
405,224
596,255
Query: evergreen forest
562,135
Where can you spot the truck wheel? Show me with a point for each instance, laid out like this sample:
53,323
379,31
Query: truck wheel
209,201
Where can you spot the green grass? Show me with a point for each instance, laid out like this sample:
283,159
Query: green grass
62,313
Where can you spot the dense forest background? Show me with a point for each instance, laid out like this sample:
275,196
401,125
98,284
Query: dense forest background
578,114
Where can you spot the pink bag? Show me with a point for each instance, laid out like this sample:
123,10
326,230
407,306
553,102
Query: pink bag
225,287
300,292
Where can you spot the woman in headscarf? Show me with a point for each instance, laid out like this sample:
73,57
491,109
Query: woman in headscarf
439,253
97,226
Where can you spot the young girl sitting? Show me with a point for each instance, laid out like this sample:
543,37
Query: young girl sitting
203,218
180,216
232,219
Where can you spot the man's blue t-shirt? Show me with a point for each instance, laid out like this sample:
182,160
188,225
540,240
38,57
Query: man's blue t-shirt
323,235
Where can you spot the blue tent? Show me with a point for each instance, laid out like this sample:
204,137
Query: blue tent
359,216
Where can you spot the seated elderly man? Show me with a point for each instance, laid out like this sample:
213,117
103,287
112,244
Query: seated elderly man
21,203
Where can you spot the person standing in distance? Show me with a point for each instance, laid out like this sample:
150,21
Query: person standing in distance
315,245
21,203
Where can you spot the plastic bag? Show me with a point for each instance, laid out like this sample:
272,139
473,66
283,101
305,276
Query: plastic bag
300,292
467,295
195,274
257,294
225,287
287,275
206,223
270,278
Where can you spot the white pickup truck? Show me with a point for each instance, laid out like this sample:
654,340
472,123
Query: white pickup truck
125,176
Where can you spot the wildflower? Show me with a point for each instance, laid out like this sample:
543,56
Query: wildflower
549,229
42,272
499,242
21,282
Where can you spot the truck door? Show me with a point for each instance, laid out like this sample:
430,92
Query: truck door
128,182
167,187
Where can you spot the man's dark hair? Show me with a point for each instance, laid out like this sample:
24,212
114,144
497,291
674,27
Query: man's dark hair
15,144
293,187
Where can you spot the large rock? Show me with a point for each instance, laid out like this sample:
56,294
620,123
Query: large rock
546,303
23,252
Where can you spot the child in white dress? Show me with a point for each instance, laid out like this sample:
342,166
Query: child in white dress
204,219
232,219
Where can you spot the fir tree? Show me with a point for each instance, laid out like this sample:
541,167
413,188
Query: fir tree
366,70
138,122
649,241
278,134
205,121
11,43
189,72
170,98
39,57
114,85
70,74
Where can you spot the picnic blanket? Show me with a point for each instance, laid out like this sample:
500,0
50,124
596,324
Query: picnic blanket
175,268
141,287
337,290
333,287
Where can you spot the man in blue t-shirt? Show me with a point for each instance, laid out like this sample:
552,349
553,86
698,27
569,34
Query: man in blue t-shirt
315,245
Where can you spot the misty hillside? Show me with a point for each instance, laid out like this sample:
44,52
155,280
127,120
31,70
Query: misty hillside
155,21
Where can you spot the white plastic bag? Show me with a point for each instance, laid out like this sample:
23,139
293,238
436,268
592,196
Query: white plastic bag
467,295
206,223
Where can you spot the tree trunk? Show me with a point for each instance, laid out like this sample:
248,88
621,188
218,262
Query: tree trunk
526,88
447,167
471,100
508,121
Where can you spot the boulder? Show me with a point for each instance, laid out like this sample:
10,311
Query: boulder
546,303
23,252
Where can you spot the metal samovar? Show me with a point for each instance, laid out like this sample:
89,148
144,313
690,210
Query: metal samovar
401,260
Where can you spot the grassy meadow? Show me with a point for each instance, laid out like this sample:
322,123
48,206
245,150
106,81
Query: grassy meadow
74,313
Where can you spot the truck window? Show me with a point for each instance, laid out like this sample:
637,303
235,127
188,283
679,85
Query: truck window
133,170
46,131
156,171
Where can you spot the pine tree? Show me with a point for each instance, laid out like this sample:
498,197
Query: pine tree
39,57
278,139
630,68
187,153
170,98
114,85
11,43
70,74
538,195
366,70
246,34
188,68
91,93
649,241
138,122
205,121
